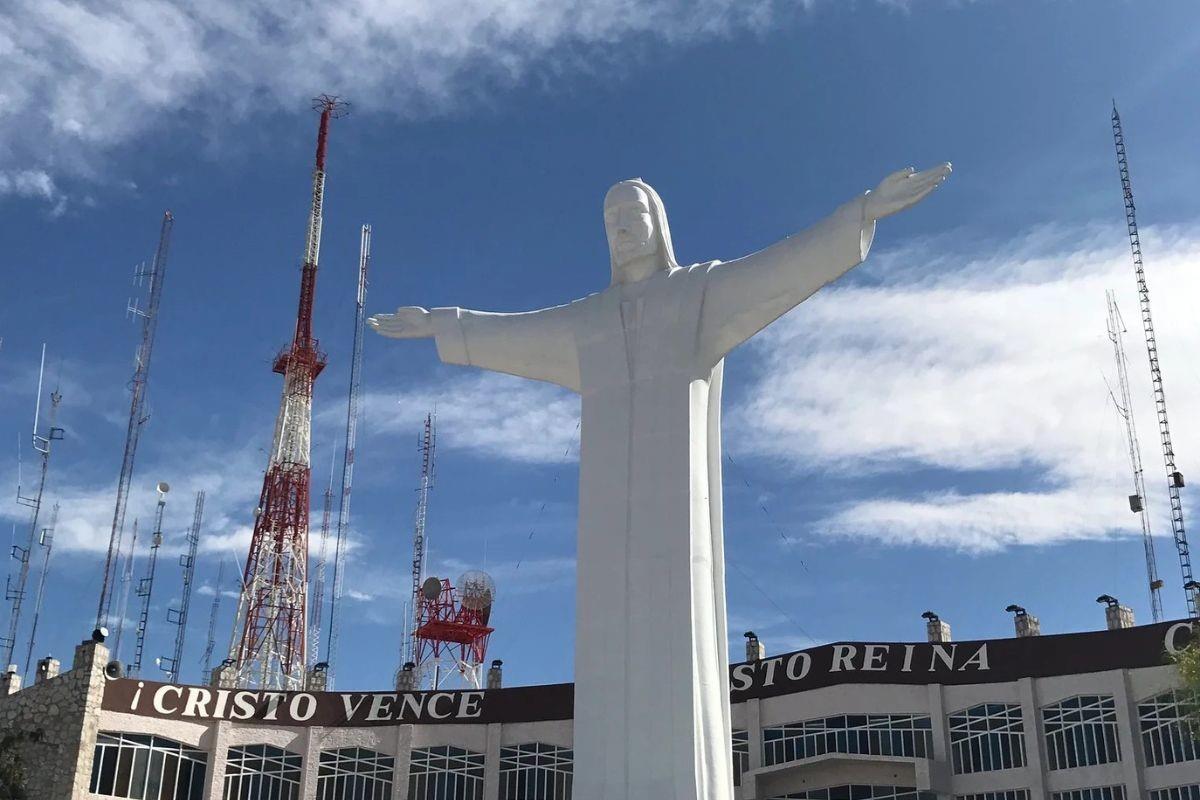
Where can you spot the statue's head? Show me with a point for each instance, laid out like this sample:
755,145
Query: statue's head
639,240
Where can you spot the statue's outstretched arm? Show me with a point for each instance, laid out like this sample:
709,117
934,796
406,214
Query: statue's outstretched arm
744,296
536,344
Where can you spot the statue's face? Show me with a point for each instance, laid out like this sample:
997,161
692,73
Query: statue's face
630,224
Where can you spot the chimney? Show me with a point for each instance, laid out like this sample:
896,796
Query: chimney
47,668
755,650
1026,624
317,678
936,628
225,675
495,675
10,682
1116,615
406,678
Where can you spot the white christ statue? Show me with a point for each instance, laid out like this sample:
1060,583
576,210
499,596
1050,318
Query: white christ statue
646,356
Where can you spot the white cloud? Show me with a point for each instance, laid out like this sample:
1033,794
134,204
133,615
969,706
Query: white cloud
77,78
491,415
981,363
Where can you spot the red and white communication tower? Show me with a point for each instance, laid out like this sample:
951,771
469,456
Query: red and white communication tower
452,632
268,647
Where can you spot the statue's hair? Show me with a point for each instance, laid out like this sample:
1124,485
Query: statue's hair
661,229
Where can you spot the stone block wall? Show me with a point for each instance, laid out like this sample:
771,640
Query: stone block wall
55,722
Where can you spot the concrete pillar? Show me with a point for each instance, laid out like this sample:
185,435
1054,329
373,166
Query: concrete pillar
755,649
10,682
47,668
937,630
89,654
1035,742
941,766
406,678
317,678
1027,625
404,737
313,737
223,677
1132,754
218,748
491,763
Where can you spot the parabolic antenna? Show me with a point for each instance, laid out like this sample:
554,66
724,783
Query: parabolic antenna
163,487
431,589
477,589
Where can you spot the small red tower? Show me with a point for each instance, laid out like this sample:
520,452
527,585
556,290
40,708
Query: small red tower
270,649
452,628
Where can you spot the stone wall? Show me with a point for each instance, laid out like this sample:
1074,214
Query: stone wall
55,722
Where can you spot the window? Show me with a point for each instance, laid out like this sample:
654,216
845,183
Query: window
1008,794
1177,793
536,772
860,792
1081,732
445,773
987,737
741,755
1097,793
354,773
868,734
261,771
147,767
1165,735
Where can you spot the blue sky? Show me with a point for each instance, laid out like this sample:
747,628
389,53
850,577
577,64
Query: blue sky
932,432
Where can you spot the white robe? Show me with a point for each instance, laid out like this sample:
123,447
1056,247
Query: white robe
651,648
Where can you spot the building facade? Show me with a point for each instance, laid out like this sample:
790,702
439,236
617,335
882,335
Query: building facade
1089,716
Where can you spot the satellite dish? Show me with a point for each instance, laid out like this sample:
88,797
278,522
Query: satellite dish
477,589
163,487
431,589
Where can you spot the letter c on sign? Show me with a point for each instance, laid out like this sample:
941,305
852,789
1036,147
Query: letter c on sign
161,694
431,706
1172,634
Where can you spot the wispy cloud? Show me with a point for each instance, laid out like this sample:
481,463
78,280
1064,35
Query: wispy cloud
994,362
491,415
78,78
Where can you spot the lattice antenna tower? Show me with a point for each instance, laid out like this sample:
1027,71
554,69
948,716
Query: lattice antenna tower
269,648
427,445
126,584
47,544
317,604
138,414
211,643
1137,501
179,617
1174,476
146,585
352,409
42,442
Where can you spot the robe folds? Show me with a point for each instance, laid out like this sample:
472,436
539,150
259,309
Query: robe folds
651,646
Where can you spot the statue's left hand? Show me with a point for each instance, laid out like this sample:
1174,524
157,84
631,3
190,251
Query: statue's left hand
904,189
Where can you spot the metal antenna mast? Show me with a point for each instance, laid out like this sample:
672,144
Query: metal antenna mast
271,629
206,659
1174,476
317,606
352,405
174,664
146,584
1137,500
137,407
427,446
126,583
41,445
47,544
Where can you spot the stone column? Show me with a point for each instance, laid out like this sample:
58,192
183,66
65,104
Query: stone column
87,673
941,764
10,682
1132,755
754,741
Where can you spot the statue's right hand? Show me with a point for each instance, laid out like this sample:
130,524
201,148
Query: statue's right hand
409,322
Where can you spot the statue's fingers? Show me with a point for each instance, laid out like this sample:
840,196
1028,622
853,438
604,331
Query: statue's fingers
899,175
